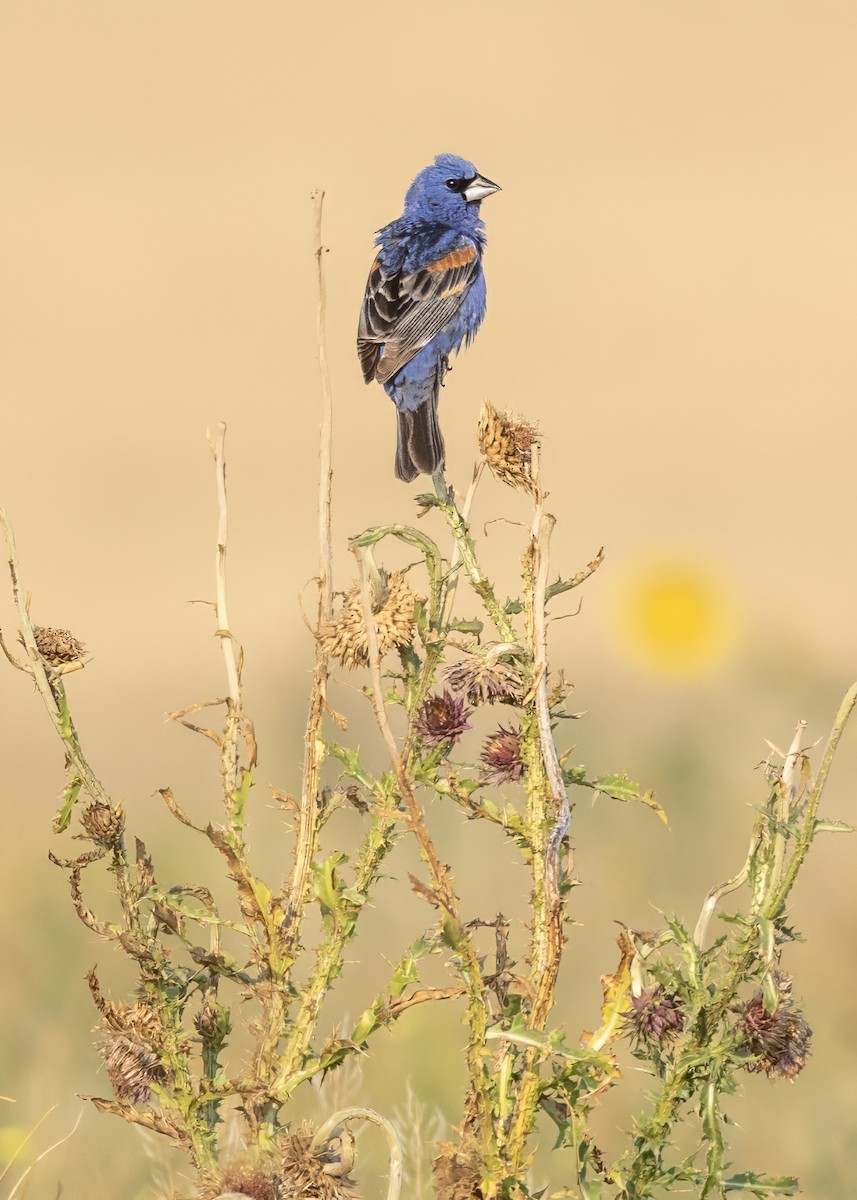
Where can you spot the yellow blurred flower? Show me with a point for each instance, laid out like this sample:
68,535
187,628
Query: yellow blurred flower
675,617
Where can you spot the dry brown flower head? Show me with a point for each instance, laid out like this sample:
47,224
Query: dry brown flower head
345,638
507,443
58,647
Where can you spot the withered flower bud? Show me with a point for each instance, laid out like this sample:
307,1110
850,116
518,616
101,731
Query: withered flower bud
345,637
132,1069
104,823
507,443
255,1180
57,646
485,680
442,719
212,1023
501,756
780,1040
655,1016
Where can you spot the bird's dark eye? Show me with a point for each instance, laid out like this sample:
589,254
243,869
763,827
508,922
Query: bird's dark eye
456,185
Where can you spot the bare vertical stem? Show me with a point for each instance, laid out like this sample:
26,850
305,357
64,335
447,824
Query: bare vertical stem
313,745
548,807
325,481
223,629
786,795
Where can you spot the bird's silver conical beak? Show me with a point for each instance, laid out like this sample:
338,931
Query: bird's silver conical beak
479,188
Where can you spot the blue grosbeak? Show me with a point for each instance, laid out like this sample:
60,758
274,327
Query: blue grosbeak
425,296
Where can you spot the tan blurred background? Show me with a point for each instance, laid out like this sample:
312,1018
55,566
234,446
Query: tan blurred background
672,276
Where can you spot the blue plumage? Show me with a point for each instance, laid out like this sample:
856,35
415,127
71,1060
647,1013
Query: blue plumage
425,297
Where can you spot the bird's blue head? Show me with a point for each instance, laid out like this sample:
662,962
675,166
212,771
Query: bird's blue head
450,192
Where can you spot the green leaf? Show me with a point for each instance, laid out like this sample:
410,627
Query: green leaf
327,888
464,626
620,787
770,992
762,1185
63,713
426,500
767,935
827,825
451,930
70,795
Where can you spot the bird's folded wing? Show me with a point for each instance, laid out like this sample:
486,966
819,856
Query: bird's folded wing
402,313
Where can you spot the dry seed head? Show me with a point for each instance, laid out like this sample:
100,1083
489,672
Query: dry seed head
104,823
486,680
345,638
138,1021
457,1170
132,1069
291,1171
255,1180
57,646
305,1173
507,444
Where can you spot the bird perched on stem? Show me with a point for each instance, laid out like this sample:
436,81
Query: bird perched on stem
425,296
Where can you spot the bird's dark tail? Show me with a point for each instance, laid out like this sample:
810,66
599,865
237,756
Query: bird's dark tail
419,446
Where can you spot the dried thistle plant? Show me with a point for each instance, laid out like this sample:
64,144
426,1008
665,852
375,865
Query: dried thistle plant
698,1017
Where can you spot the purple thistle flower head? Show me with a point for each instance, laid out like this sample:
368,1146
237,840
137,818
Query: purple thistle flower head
779,1040
501,756
655,1016
442,719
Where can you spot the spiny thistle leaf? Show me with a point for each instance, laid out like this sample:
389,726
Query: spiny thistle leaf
762,1185
70,795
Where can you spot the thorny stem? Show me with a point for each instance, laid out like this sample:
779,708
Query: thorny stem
427,849
479,581
328,960
807,831
444,893
549,807
452,584
50,686
786,795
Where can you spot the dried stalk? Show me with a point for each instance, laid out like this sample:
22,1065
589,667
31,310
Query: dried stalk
307,834
223,631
